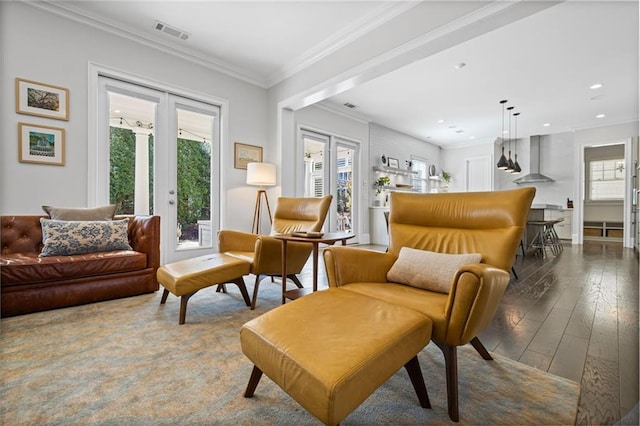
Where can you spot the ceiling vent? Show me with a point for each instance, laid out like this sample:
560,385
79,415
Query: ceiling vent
172,31
350,105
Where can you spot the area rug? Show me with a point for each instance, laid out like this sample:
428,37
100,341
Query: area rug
127,362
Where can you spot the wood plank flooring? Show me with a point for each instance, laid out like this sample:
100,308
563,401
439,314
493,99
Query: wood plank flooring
574,315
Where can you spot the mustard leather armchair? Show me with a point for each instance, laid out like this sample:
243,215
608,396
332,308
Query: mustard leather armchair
489,223
265,252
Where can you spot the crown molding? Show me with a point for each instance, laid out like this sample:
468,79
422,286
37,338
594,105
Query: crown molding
69,12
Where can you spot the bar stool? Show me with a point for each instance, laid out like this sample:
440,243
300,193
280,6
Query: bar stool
546,237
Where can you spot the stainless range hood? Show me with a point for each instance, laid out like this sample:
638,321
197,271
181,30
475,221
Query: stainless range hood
534,175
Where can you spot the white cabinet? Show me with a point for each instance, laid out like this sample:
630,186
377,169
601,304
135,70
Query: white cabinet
378,226
563,229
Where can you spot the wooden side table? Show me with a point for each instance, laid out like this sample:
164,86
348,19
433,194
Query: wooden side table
328,238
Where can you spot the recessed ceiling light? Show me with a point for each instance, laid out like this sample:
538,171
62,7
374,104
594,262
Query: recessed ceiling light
595,86
547,124
600,116
117,111
460,65
441,121
472,137
460,131
453,126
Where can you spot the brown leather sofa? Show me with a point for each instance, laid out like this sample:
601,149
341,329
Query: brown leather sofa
31,284
488,223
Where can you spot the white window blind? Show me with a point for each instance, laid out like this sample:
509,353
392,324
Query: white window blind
606,179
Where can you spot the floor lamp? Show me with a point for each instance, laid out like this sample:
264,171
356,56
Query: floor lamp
261,174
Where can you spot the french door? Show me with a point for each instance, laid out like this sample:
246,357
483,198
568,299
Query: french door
330,167
159,154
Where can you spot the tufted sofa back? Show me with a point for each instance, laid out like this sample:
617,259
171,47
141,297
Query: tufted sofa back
489,223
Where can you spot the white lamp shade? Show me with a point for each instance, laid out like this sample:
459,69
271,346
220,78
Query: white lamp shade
262,174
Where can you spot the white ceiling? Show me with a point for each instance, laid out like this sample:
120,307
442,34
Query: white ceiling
543,64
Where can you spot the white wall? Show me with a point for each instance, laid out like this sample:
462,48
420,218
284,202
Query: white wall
453,161
58,50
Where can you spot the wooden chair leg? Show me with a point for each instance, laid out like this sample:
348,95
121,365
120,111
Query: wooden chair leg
451,367
256,374
243,290
183,307
221,288
295,280
165,293
477,344
415,374
255,292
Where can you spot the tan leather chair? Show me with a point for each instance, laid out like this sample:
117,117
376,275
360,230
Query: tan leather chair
489,223
265,252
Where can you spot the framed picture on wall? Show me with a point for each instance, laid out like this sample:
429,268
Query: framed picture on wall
245,154
40,144
43,100
393,163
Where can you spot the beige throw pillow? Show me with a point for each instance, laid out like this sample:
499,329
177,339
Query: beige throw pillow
429,270
79,213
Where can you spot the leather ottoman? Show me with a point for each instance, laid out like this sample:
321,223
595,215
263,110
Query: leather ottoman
186,277
331,349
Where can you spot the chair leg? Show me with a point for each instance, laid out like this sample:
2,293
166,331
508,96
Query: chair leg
451,367
221,288
165,293
415,374
243,290
295,280
256,374
477,344
183,306
255,291
514,272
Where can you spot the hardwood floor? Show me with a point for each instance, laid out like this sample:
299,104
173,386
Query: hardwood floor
574,315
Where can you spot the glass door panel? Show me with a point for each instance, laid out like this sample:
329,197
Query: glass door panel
344,187
194,194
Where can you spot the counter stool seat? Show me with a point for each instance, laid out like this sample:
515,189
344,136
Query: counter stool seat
331,349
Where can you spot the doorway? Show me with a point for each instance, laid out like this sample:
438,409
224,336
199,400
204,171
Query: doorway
331,167
158,150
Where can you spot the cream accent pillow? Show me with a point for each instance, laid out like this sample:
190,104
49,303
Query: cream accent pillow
79,213
427,269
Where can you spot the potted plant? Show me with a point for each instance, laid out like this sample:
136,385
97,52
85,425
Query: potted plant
381,182
446,177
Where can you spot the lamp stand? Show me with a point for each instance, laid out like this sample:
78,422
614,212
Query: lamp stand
255,227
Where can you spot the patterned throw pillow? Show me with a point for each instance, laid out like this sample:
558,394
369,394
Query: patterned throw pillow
63,238
429,270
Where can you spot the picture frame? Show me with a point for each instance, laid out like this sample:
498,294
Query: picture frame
244,154
393,163
42,100
41,144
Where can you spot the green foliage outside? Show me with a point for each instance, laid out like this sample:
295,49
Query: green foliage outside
194,178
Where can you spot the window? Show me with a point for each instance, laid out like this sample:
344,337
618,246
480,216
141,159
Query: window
606,179
419,181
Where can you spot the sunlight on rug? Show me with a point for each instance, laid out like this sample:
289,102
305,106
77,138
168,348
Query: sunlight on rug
129,362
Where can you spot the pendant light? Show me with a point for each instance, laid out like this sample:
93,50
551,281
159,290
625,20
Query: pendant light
516,169
502,163
510,165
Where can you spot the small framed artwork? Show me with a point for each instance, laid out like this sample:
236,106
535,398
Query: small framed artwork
393,163
244,154
40,144
43,100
